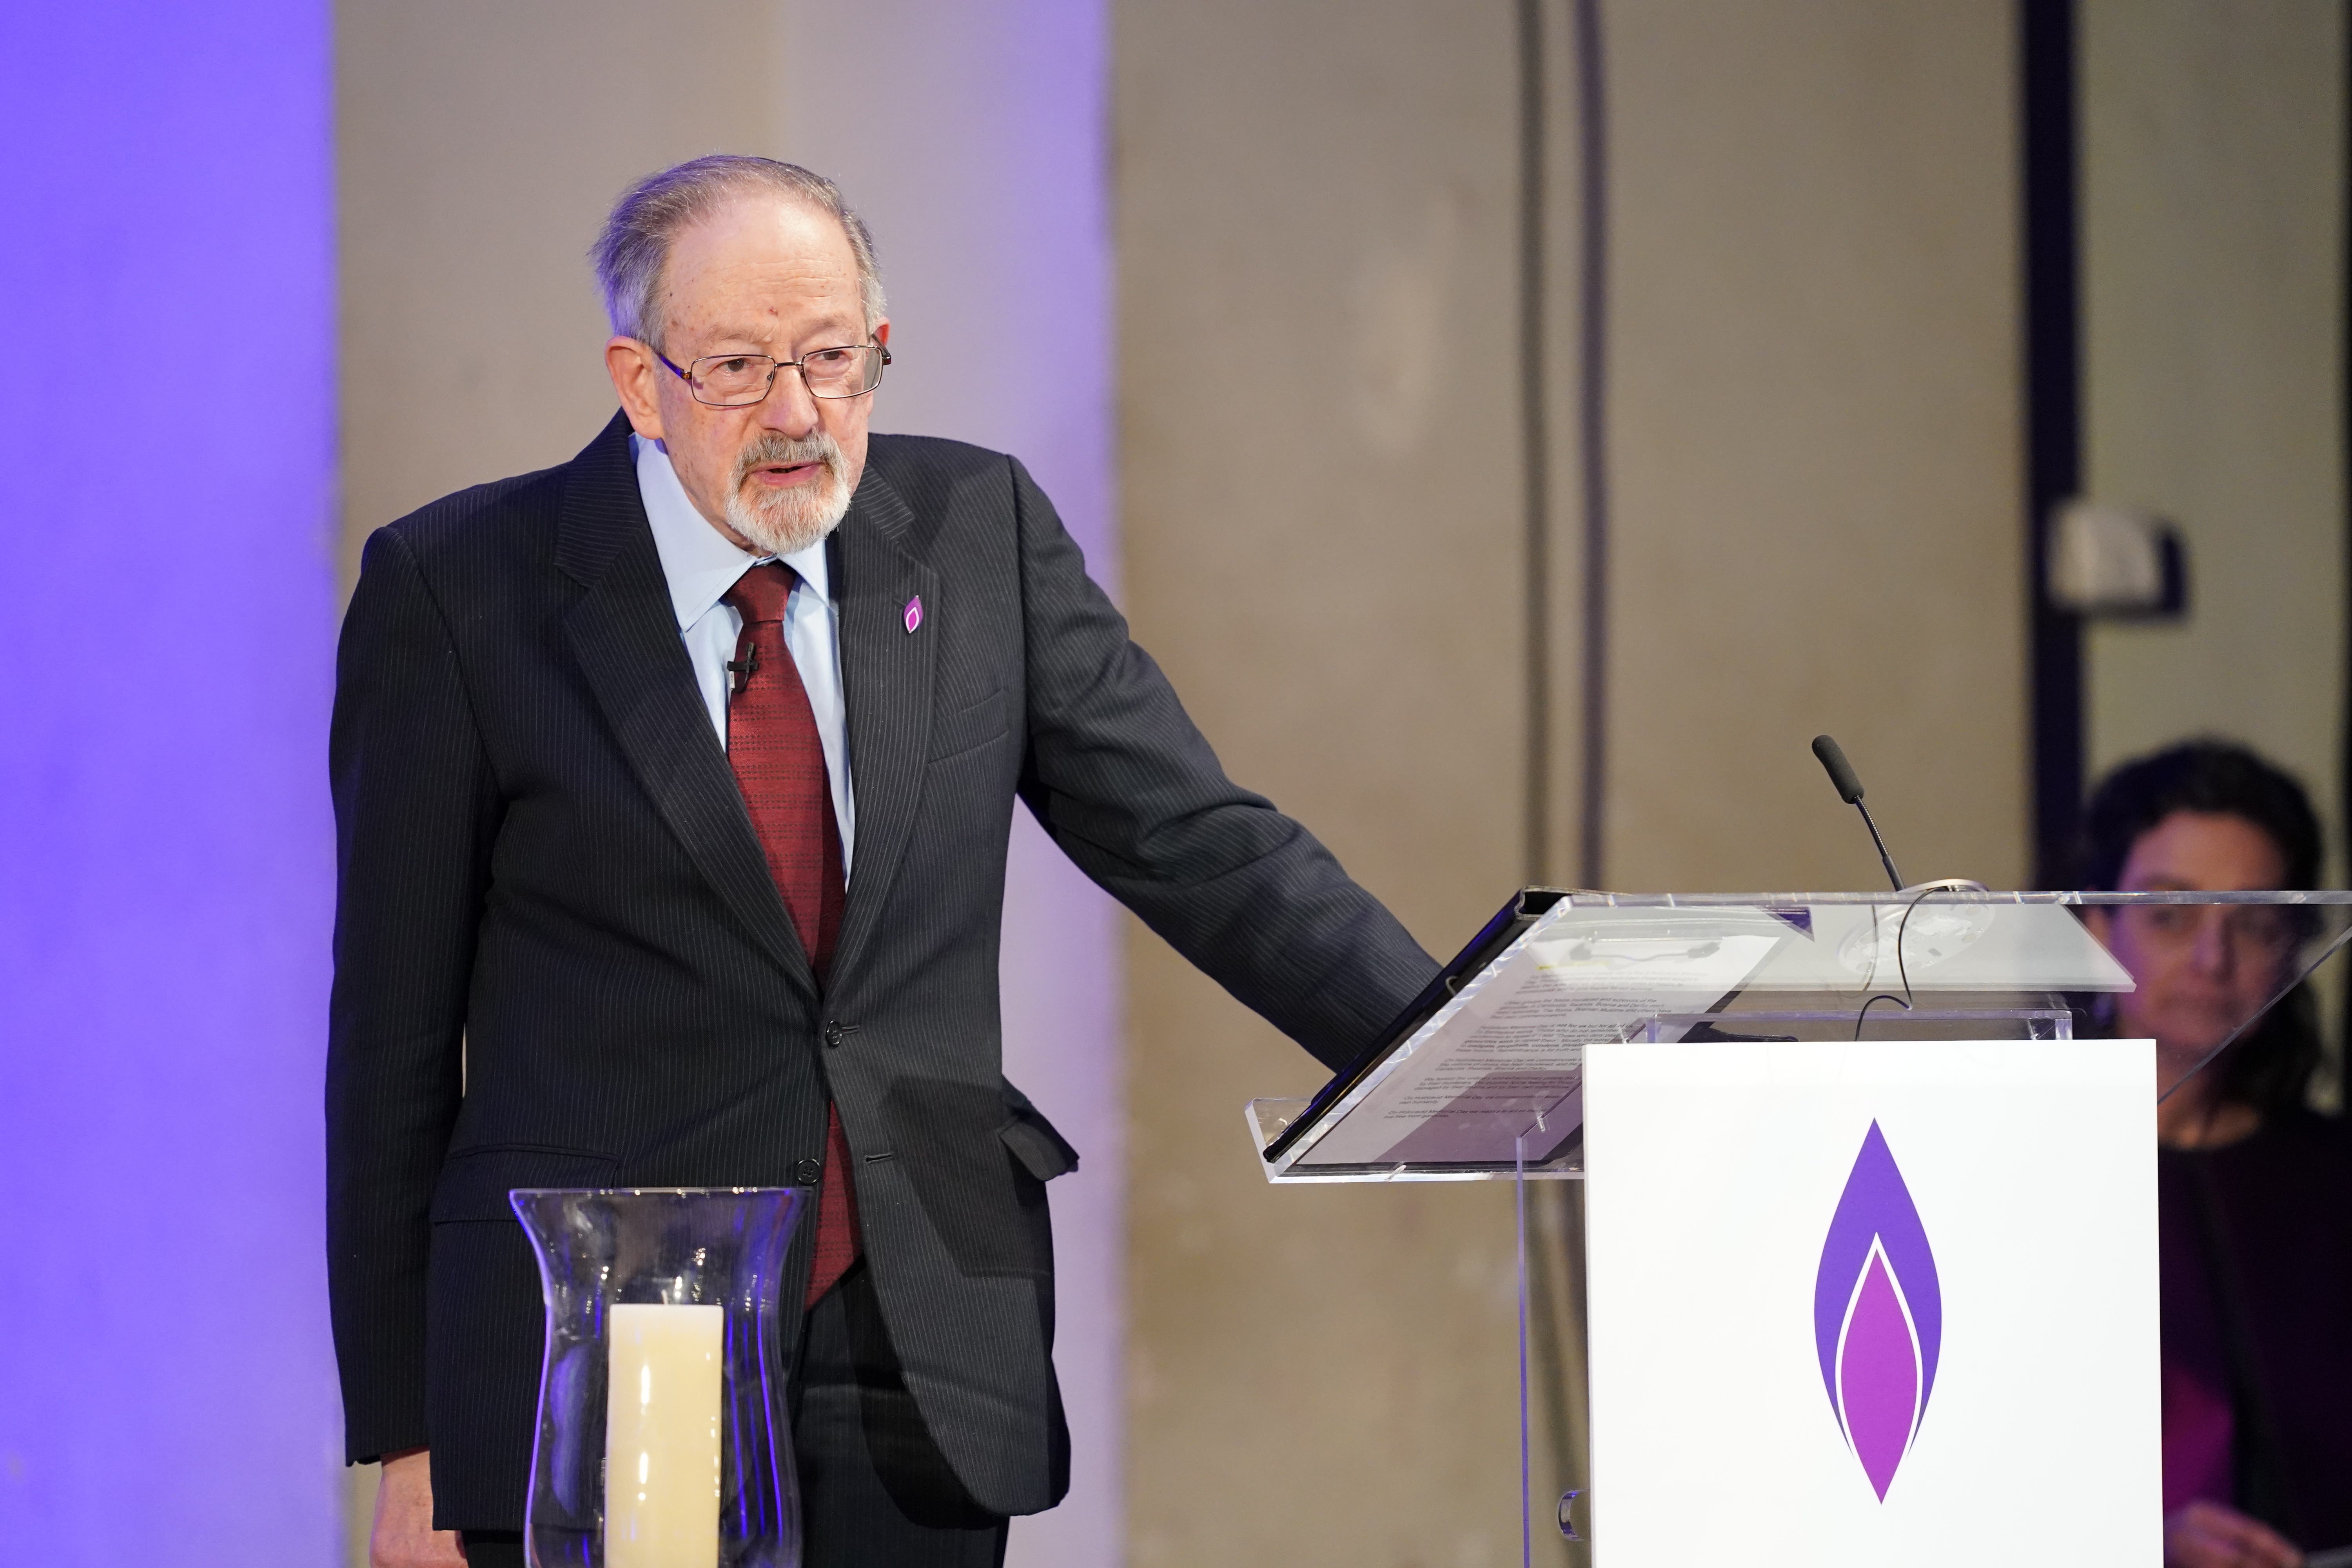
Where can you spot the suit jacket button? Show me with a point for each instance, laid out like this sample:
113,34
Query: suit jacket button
834,1031
806,1172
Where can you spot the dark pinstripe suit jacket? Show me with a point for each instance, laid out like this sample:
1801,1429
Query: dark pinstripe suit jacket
544,864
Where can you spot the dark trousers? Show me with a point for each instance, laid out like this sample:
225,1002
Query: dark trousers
876,1491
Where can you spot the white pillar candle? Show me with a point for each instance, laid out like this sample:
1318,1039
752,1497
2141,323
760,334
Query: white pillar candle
661,1438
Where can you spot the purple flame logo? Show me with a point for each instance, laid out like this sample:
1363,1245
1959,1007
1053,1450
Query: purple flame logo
1878,1314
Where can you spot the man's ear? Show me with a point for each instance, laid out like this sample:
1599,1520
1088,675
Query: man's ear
635,374
882,331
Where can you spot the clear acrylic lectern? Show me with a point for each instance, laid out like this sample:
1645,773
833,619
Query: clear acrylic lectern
1483,1077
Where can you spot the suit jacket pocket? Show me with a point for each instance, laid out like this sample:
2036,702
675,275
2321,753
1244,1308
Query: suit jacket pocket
1031,1138
475,1181
973,725
986,1205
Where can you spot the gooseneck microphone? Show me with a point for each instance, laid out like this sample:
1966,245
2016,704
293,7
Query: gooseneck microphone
1848,788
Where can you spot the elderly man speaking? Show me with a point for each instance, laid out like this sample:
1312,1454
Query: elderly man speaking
672,789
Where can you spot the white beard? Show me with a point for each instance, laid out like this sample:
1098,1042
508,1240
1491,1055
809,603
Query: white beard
787,521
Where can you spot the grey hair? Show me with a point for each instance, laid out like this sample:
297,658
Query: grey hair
632,252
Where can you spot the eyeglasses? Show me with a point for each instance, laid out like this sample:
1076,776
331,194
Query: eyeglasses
2257,928
739,381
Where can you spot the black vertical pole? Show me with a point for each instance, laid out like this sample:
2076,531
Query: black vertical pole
1535,435
2344,471
1592,438
2052,418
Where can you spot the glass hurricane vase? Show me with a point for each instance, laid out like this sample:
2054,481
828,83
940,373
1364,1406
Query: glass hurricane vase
663,1439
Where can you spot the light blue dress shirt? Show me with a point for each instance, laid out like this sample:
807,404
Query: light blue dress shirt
701,565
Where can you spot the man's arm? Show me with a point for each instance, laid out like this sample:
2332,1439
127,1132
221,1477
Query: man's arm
416,812
1116,773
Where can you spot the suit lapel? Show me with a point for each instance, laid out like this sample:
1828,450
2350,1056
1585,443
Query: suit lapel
885,676
623,632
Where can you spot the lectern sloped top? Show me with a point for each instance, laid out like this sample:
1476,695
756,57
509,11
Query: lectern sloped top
1481,1076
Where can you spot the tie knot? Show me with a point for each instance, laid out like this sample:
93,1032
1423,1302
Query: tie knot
760,594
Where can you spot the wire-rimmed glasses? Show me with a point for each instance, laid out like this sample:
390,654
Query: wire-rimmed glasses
2268,930
738,380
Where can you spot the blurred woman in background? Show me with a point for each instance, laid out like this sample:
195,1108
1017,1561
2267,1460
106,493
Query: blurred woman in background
2254,1189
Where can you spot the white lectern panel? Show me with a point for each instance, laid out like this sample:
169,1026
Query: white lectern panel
1873,1303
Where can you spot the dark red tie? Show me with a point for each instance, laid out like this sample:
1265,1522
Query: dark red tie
779,762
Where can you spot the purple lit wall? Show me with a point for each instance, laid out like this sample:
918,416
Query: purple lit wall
166,1387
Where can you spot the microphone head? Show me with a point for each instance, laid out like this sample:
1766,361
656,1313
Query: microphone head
1841,771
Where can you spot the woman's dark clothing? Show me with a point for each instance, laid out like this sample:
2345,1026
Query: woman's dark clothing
2256,1241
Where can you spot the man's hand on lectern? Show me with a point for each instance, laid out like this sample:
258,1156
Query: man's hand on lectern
404,1536
2208,1535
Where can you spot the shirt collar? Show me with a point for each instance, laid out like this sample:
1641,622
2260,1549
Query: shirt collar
697,560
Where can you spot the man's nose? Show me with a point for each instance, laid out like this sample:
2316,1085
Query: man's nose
788,409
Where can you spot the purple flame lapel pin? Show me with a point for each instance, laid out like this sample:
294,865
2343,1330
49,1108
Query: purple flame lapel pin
914,613
1878,1314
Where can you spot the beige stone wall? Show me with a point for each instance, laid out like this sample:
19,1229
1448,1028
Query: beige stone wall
1817,478
2213,339
1817,427
479,147
1322,536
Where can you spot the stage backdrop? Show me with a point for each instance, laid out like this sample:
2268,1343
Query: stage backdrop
166,1393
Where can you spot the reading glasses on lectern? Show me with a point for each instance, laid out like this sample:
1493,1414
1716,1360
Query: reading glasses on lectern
740,381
